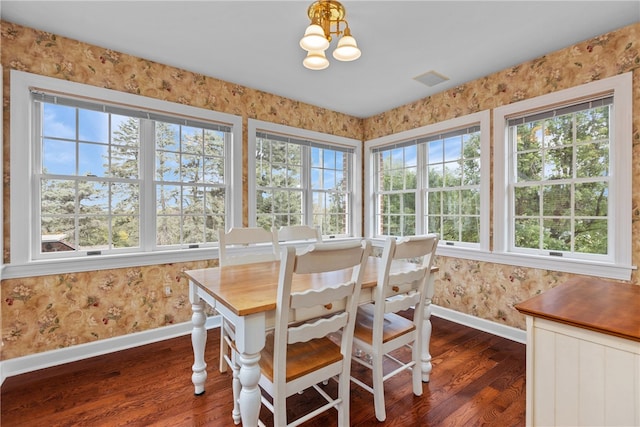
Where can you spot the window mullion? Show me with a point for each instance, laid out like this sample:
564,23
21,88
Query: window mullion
307,190
147,185
421,227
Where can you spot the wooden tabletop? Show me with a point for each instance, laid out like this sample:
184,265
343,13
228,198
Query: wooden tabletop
598,305
252,288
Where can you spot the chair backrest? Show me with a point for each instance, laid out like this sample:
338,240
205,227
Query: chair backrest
248,244
298,233
404,287
329,307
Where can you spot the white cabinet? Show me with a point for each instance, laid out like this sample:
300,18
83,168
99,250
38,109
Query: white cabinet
578,377
583,355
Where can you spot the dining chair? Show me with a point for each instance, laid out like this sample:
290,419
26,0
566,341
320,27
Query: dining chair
300,354
298,233
379,330
244,245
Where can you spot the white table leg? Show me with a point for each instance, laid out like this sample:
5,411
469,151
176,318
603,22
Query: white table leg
426,338
250,339
426,331
198,341
250,392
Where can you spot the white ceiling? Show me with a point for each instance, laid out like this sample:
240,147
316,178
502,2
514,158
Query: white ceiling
255,43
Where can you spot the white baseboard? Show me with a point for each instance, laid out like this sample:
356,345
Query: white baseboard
47,359
508,332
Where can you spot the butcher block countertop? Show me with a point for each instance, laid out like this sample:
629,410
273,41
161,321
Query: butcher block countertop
599,305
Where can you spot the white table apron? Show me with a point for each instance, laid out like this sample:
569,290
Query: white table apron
250,339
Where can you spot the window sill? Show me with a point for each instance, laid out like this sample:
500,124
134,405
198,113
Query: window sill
587,268
105,262
574,266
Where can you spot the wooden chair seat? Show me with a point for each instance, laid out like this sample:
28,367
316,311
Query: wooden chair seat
393,327
302,357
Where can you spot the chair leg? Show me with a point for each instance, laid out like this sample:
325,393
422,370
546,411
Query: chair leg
378,386
416,372
279,412
236,386
224,349
344,385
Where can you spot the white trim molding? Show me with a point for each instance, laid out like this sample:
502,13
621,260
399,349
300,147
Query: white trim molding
494,328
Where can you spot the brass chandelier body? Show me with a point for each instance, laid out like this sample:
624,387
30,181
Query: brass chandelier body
327,17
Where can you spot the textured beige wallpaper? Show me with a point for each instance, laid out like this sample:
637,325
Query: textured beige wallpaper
56,311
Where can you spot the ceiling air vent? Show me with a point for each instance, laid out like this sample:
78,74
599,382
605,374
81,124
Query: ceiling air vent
431,78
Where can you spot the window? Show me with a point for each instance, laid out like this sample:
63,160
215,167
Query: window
302,177
566,178
429,180
115,173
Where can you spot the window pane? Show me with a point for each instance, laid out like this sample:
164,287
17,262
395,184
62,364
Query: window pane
557,234
168,230
592,199
57,196
556,200
125,232
559,163
193,229
529,166
93,232
192,200
58,121
58,157
527,233
168,199
450,228
57,234
93,126
591,236
470,229
529,136
527,201
592,160
93,197
470,202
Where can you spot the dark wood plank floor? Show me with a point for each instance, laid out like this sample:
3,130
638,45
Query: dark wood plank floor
477,379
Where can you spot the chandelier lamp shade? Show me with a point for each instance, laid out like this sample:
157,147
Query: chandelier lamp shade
327,18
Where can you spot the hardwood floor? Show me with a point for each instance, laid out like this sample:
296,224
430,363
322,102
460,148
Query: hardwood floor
477,379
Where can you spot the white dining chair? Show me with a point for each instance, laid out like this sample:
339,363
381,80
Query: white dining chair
238,246
244,245
295,233
300,355
379,330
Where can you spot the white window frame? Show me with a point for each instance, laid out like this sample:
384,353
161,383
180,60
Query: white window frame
482,118
23,262
618,266
355,210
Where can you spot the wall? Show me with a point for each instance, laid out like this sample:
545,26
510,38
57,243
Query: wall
50,312
45,313
489,290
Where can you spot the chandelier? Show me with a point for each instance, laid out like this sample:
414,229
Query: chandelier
326,18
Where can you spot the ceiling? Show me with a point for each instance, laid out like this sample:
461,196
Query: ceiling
255,43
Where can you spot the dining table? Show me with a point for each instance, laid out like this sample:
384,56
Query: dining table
246,295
